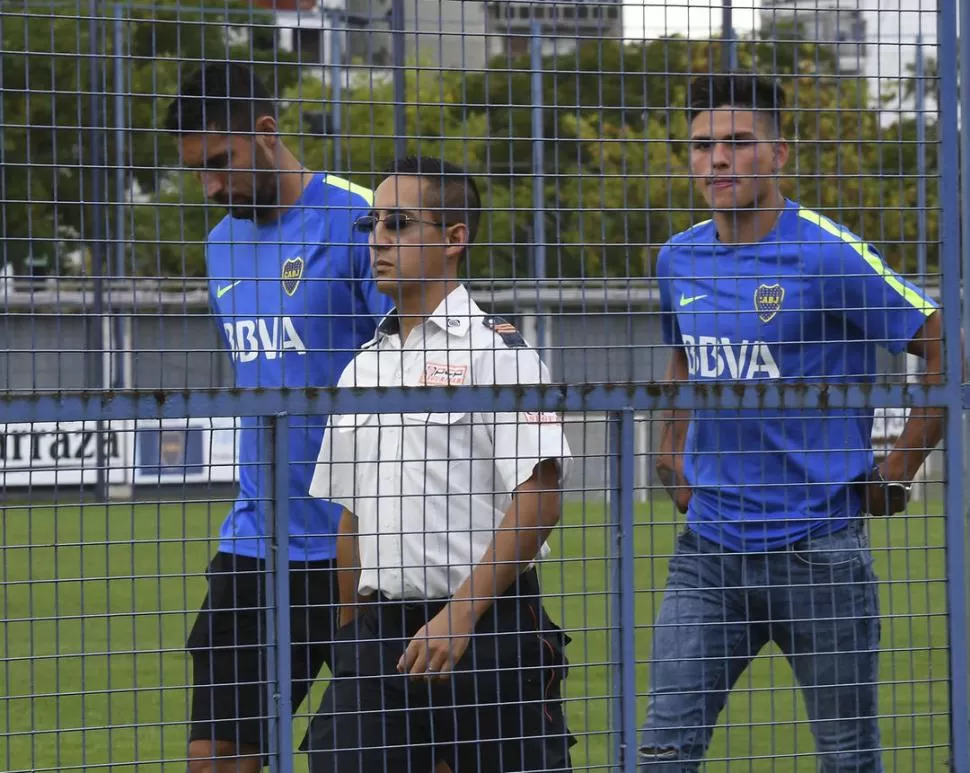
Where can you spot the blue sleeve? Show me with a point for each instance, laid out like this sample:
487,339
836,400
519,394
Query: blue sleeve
859,285
210,292
668,317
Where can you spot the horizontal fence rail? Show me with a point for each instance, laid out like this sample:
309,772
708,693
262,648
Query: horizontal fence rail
656,397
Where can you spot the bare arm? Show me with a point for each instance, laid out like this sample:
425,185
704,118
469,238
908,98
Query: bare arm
924,428
439,645
534,512
348,567
673,435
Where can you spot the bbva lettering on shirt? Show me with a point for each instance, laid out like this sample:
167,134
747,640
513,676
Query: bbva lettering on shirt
712,357
272,337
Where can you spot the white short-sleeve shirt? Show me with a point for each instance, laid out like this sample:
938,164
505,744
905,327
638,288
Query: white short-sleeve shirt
430,489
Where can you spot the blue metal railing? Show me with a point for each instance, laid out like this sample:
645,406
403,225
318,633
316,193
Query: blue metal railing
620,402
954,258
74,406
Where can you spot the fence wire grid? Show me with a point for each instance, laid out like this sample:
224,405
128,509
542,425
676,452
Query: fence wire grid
399,385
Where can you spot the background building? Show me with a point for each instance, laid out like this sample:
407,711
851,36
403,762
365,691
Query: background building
563,24
448,33
840,24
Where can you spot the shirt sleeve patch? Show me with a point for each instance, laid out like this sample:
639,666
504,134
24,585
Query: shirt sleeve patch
510,336
545,417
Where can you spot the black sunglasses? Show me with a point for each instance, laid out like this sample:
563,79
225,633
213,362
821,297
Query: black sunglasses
393,221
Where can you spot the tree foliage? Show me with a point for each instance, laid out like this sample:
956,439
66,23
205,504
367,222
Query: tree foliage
616,159
57,88
614,178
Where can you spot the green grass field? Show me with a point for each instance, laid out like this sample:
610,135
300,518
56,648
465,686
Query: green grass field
97,602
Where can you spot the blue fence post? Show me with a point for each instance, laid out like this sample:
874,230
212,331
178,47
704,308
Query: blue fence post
336,88
397,57
120,62
920,98
538,186
95,231
729,60
950,261
622,631
275,432
964,145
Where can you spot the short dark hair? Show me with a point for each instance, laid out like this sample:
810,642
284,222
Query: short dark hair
226,96
709,92
451,191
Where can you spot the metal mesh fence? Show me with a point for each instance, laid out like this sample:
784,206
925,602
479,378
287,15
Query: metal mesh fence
407,385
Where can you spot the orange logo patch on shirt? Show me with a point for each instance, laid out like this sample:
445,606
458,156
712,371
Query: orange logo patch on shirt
438,374
546,417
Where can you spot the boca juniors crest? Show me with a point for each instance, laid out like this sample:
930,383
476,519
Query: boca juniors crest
292,274
172,448
768,300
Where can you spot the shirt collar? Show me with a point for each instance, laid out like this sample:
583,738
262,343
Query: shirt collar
454,312
390,325
453,315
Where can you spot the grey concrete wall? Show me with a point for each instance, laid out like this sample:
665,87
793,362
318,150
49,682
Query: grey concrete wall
180,350
46,351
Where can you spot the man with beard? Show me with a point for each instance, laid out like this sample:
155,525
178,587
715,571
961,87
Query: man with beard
290,284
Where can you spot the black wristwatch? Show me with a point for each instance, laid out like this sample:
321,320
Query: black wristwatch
897,493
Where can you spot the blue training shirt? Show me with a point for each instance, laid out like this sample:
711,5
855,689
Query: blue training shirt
294,300
809,302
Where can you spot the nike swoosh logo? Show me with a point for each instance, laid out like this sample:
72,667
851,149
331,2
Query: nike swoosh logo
685,301
223,290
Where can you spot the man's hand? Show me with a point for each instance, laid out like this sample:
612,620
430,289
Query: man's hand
883,497
670,470
350,611
435,650
347,615
348,568
682,499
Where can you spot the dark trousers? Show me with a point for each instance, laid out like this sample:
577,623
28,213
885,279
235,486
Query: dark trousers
501,709
228,646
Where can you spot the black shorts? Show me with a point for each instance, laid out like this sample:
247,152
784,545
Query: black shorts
228,645
500,711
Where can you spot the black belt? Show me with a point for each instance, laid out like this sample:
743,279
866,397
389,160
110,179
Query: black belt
383,598
406,616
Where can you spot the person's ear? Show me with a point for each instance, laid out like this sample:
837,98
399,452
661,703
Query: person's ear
265,131
780,156
456,238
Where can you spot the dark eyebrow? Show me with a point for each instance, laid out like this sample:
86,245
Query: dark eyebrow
401,210
218,161
726,138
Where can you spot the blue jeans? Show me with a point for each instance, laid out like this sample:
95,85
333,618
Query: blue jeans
816,600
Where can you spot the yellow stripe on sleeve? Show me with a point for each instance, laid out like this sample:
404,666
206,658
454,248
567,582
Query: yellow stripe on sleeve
339,182
916,299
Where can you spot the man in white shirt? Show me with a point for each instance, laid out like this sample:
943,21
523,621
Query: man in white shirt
445,652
